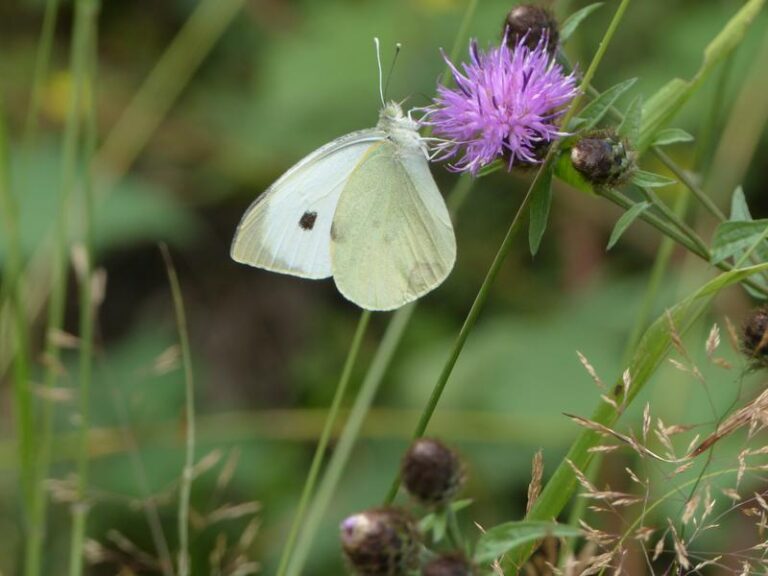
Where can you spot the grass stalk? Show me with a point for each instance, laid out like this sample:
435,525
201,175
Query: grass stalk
42,66
506,246
84,68
326,489
185,487
322,444
22,393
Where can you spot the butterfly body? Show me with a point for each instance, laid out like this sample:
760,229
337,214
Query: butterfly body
363,209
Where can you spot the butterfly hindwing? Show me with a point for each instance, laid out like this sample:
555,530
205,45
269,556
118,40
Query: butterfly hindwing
392,239
287,229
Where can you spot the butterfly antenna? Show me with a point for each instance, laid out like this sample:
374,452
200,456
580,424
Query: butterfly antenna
381,76
398,46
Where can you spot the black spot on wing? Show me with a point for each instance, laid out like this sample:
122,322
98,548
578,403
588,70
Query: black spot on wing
307,220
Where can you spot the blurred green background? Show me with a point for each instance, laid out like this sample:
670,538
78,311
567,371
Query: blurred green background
283,78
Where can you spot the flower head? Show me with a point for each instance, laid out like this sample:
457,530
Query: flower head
507,102
381,542
603,158
432,473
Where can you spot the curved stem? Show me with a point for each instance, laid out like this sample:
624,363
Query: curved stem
185,487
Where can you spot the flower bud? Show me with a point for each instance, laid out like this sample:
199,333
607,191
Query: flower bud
432,473
603,158
754,340
381,542
451,564
533,23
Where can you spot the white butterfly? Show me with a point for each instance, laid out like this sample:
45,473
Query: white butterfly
363,209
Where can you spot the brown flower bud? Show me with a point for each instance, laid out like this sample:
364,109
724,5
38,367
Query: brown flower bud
381,542
533,23
432,473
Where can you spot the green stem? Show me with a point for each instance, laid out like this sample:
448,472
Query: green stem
469,323
22,393
688,182
505,247
675,219
341,454
42,65
454,530
322,445
84,65
185,487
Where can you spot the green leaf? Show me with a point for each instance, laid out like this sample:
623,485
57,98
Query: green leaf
647,357
505,537
651,180
739,208
625,221
574,20
670,98
671,136
731,238
567,173
630,126
541,200
436,521
595,110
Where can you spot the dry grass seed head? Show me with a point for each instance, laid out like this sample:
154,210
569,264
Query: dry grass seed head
534,488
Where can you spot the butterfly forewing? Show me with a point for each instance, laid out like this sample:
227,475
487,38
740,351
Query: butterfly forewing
392,239
287,229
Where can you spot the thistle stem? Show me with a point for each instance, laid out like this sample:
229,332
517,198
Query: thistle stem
505,247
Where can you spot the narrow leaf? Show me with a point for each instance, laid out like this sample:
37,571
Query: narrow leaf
671,136
541,200
739,208
625,221
595,110
574,21
663,105
502,538
630,126
731,238
651,180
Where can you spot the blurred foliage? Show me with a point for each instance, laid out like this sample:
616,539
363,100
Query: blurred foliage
286,77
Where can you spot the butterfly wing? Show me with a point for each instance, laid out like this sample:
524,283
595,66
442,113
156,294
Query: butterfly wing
392,240
287,229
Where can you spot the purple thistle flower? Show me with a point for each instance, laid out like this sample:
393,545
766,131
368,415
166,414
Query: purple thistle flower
507,104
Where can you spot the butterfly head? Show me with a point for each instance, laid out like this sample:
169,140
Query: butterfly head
392,119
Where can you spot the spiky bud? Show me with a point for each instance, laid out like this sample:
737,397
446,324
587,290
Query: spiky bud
754,341
534,23
603,158
381,542
451,564
432,473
